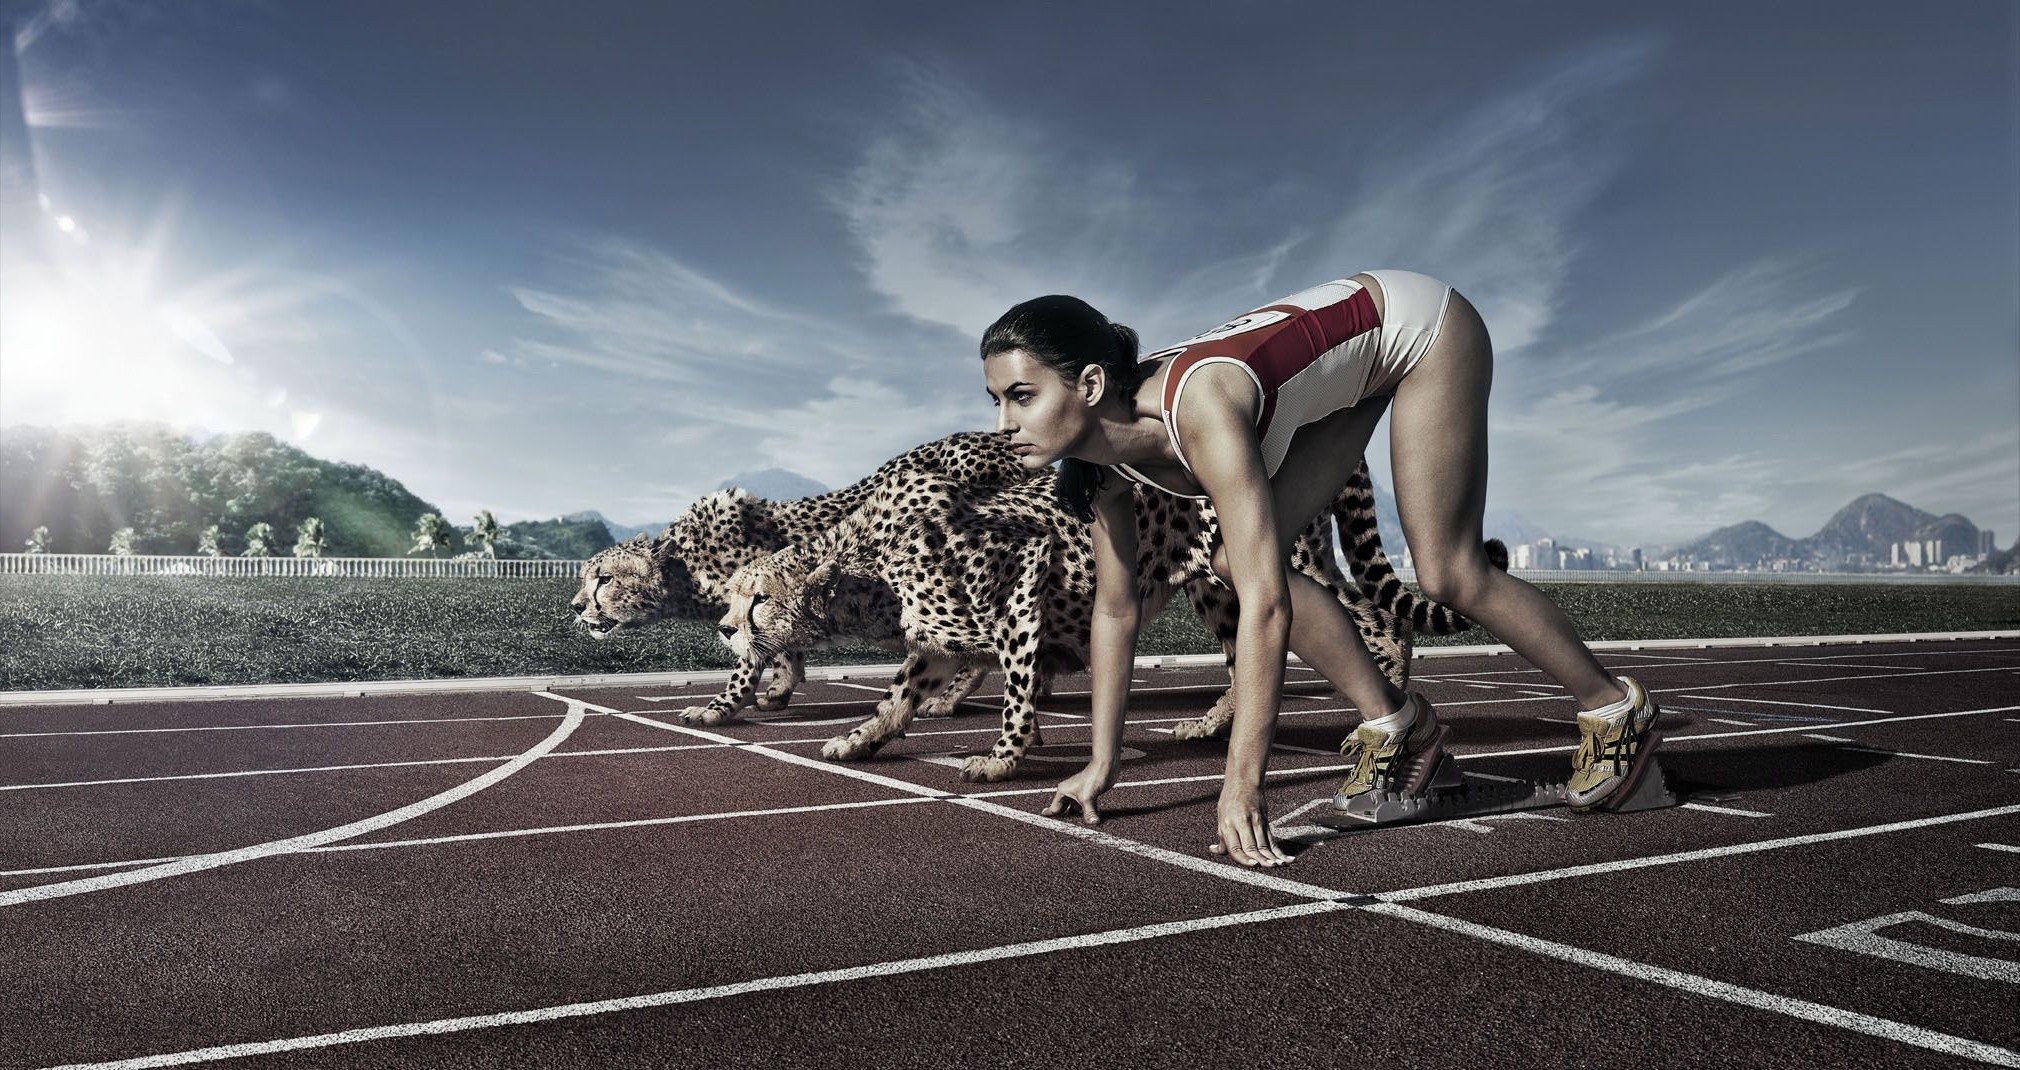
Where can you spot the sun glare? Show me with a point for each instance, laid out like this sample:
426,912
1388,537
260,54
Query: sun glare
90,334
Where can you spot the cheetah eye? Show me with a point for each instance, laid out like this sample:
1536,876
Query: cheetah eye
601,580
758,599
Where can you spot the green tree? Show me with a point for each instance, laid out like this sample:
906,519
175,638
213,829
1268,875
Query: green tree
432,535
122,543
309,540
257,539
38,541
486,532
207,543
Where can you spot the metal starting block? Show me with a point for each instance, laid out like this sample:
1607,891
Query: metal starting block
1452,797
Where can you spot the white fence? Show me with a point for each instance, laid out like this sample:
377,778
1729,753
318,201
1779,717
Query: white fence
387,567
403,567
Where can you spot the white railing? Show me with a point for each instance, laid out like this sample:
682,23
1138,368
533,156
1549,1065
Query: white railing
386,567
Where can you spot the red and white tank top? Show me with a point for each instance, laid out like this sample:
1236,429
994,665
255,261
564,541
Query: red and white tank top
1310,354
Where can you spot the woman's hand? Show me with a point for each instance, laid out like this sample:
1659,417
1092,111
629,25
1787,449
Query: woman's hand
1245,829
1080,790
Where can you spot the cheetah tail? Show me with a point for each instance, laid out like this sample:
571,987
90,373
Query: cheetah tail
1354,511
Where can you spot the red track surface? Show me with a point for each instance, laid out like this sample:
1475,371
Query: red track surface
652,895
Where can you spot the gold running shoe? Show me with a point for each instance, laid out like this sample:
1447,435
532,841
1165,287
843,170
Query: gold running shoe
1613,753
1402,761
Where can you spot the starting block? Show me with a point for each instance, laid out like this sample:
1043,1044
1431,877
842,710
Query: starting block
1452,797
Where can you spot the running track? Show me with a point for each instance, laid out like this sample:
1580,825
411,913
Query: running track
572,877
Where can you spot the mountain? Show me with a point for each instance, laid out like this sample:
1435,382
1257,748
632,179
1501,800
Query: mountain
1872,524
570,538
775,483
618,532
1748,541
1864,532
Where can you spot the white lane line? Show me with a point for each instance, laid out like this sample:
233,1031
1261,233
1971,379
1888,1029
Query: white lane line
1989,895
1772,702
1821,664
1850,744
1906,754
1999,847
1728,720
601,826
1305,750
1863,938
795,706
90,865
1793,717
349,768
569,723
858,687
1621,865
1820,1013
254,727
1881,1027
1491,683
1842,724
510,833
1827,679
1689,982
1732,810
696,995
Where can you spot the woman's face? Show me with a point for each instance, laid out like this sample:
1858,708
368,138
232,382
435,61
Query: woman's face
1040,411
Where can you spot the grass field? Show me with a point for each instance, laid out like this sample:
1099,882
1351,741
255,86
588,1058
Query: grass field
143,631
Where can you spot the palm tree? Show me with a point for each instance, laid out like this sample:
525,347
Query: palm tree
207,543
309,540
431,535
256,539
486,532
122,543
38,541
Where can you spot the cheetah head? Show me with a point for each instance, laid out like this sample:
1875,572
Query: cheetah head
779,603
633,584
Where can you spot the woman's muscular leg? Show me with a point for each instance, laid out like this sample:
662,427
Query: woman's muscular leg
1438,457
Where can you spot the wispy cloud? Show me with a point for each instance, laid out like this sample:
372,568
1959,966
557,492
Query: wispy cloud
640,313
1748,319
1599,437
1493,202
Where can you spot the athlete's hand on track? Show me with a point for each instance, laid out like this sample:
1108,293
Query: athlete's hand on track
1245,829
1079,791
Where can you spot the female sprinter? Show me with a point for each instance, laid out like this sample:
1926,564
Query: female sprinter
1265,417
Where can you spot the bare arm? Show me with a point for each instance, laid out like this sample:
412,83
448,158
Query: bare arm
1111,651
1218,426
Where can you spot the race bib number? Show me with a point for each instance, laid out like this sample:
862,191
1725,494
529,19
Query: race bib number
1241,325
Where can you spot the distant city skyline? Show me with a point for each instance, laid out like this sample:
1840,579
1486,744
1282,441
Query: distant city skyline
547,260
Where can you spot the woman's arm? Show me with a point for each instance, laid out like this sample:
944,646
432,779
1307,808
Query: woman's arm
1111,651
1218,416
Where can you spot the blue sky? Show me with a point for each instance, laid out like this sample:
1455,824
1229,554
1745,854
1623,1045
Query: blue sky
1740,261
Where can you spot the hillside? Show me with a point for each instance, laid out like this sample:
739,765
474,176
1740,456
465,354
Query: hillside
84,484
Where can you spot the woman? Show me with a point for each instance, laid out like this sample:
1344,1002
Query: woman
1265,416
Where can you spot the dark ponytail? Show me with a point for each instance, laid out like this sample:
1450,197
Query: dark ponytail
1067,335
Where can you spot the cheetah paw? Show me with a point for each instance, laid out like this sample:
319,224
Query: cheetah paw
1207,727
774,701
987,770
706,715
847,749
